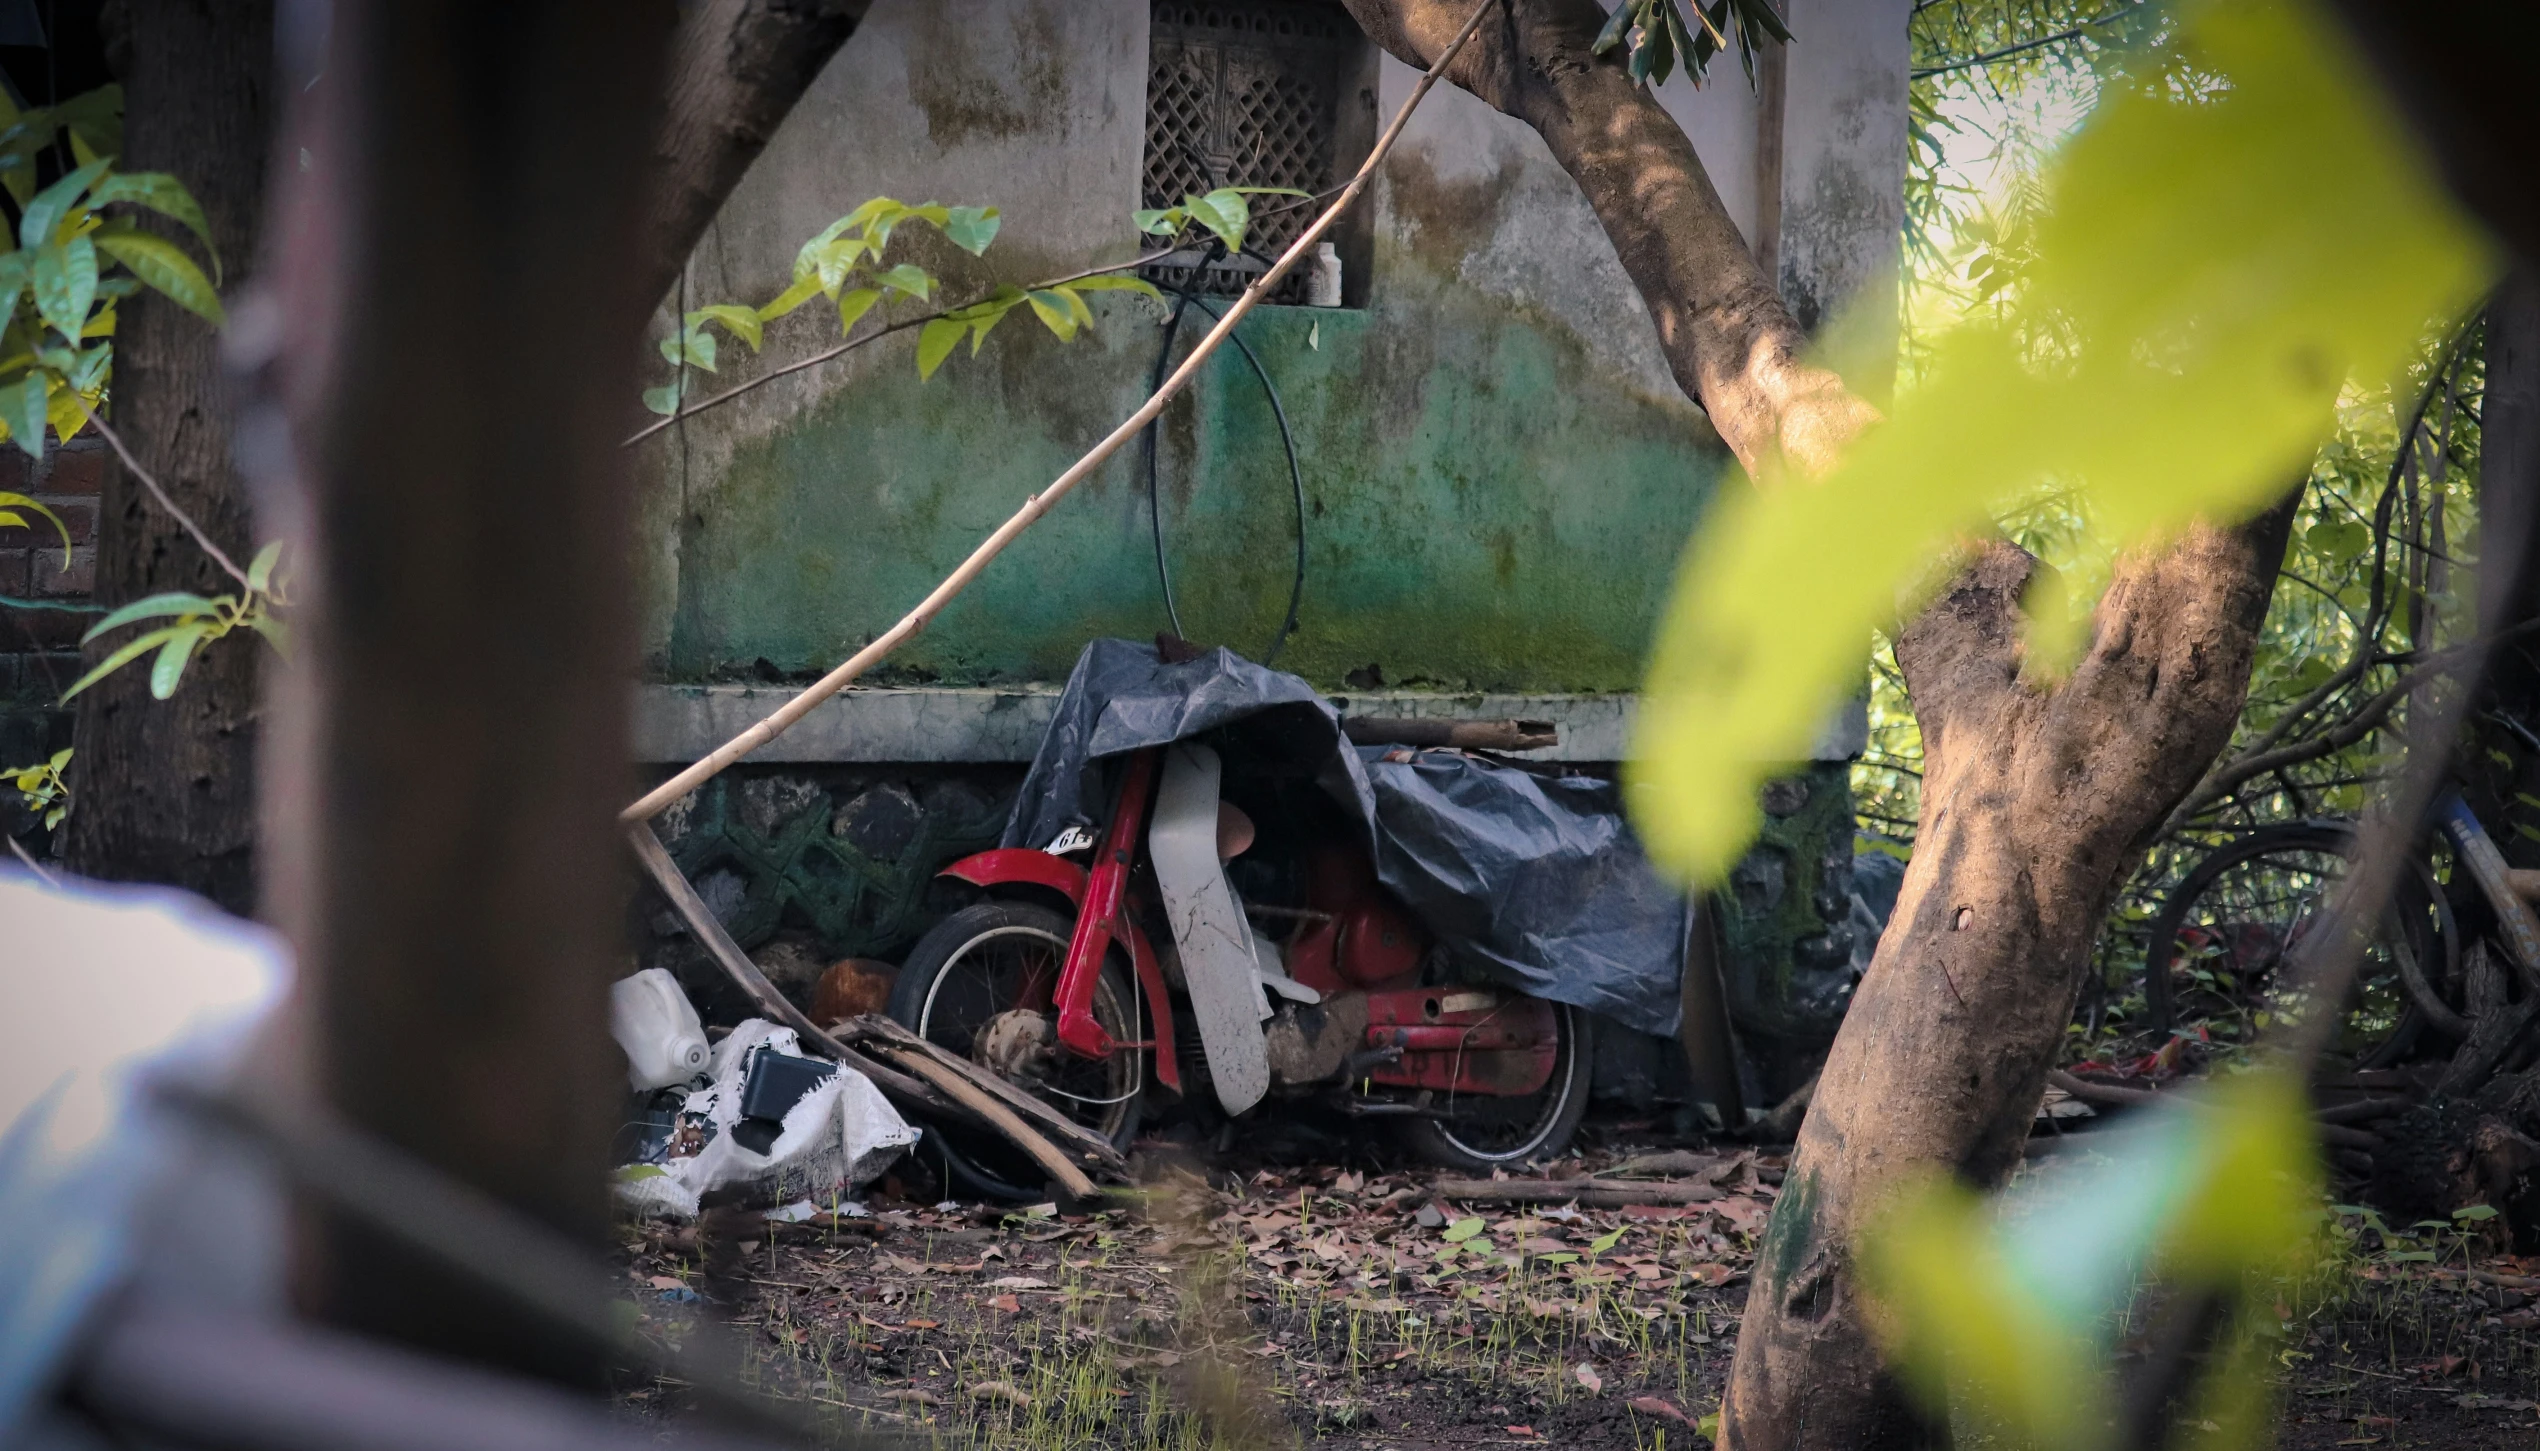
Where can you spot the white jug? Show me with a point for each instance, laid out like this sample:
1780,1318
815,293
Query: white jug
651,1019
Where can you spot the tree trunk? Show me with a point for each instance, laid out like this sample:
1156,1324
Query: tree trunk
2034,798
2035,804
165,790
737,68
2501,768
450,746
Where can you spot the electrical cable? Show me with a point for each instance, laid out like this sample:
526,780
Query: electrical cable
1296,475
1146,440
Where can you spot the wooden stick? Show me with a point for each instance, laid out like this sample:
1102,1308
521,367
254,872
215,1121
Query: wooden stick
659,799
1043,1152
1465,735
877,1031
745,975
961,1107
1602,1193
2110,1094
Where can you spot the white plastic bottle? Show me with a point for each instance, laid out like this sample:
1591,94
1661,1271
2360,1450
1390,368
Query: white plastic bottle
1323,284
651,1019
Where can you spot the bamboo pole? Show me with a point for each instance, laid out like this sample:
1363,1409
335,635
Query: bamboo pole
661,797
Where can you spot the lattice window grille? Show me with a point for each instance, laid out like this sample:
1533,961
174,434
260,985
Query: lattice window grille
1242,95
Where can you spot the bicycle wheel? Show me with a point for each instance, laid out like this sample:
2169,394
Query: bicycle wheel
2228,929
980,985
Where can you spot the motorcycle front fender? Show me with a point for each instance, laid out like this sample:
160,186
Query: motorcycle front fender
1023,866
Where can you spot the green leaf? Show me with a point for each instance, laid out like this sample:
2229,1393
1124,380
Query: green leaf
741,322
170,667
1051,308
2340,540
66,284
276,633
935,343
163,194
14,502
2216,262
834,261
879,229
260,568
804,289
1224,212
131,650
24,401
699,348
663,400
1617,25
43,216
971,228
909,278
174,602
1159,221
1462,1230
1605,1242
165,268
853,304
1115,282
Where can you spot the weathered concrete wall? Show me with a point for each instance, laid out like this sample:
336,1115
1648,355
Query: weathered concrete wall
1499,470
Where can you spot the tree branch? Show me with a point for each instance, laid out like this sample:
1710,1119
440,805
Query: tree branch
736,70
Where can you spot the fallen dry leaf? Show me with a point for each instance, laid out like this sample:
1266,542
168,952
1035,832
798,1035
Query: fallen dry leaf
914,1396
665,1282
923,1324
997,1390
1653,1406
1018,1282
1585,1374
1007,1303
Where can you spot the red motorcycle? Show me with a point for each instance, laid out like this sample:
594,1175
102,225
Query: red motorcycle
1150,974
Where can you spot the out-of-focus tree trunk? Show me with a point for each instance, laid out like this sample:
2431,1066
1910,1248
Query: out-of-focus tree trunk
165,790
459,326
2035,798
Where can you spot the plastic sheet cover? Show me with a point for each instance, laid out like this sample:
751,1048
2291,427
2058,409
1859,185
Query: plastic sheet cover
1533,879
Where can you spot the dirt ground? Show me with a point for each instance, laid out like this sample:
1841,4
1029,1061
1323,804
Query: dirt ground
1258,1304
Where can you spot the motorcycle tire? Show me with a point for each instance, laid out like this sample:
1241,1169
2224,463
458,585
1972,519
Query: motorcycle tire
1503,1133
975,966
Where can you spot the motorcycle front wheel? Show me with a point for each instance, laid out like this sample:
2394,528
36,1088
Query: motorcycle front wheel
981,984
1478,1133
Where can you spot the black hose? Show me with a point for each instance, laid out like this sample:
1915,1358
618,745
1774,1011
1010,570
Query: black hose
1287,441
1146,438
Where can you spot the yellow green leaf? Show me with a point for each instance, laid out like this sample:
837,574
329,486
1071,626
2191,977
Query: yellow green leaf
935,343
2219,259
854,304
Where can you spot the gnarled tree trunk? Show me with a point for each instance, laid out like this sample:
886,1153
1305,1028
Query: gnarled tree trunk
2034,798
165,790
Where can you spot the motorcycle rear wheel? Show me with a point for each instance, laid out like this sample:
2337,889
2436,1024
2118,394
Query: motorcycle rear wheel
998,960
1479,1134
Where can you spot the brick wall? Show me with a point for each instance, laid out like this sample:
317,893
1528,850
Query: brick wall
39,646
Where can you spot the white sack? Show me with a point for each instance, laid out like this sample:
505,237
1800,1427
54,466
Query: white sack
841,1134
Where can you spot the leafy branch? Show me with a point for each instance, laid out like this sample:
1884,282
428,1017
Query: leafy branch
1657,39
194,620
715,400
844,263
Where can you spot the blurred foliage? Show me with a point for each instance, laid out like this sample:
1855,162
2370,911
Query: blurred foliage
2239,230
2009,1311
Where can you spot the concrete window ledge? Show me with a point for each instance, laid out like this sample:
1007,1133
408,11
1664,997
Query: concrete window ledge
675,724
